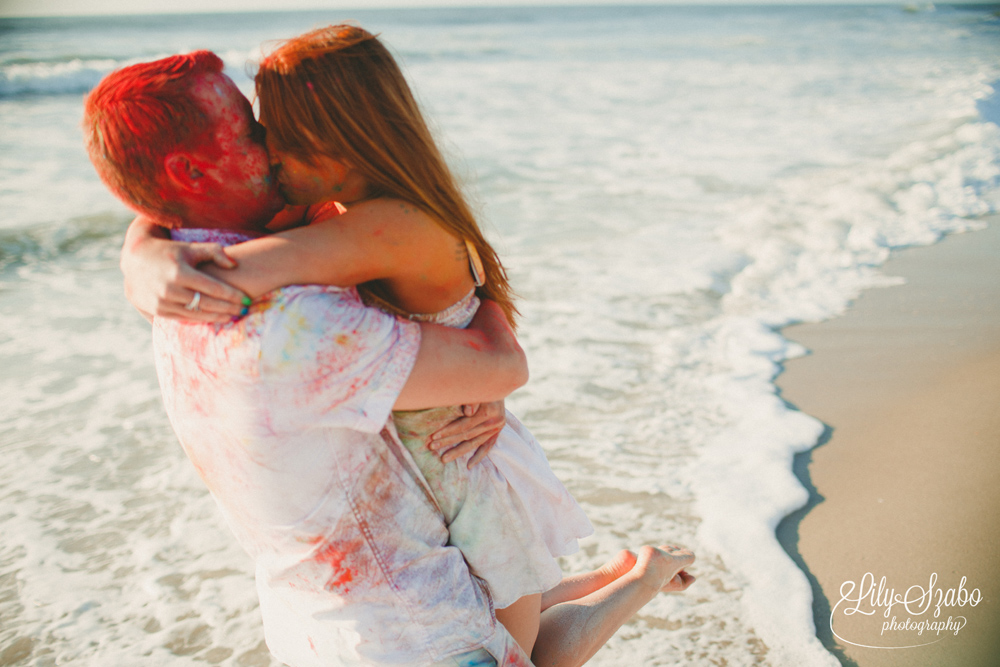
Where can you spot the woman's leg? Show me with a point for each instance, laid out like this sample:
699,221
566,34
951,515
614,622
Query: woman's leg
521,620
575,586
570,633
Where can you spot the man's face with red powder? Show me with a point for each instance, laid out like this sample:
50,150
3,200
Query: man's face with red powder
237,190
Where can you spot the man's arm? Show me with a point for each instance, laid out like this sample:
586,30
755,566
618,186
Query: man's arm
477,430
479,364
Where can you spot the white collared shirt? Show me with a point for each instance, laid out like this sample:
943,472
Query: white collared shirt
281,414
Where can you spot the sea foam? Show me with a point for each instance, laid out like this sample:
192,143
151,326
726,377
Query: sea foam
667,187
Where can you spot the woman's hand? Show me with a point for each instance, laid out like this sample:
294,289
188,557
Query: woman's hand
477,430
161,277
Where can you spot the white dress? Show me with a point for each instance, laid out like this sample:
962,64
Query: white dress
509,515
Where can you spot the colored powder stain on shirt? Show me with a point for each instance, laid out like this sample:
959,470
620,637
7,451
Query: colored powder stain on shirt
476,659
517,660
194,346
262,304
334,554
332,355
299,341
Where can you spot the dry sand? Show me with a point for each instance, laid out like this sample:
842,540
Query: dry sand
907,480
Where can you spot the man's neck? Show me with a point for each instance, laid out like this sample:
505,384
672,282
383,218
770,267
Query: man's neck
224,237
242,229
210,214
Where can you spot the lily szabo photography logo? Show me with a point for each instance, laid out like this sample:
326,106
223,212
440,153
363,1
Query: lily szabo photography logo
872,614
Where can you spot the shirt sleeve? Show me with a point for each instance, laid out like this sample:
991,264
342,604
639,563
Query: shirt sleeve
329,361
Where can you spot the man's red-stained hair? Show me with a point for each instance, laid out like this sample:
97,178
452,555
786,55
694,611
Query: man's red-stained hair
337,91
138,115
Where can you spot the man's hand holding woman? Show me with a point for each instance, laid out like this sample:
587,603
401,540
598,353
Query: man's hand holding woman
478,430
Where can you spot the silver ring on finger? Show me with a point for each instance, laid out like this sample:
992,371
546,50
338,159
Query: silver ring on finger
195,300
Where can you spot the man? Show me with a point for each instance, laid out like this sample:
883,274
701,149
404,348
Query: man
284,412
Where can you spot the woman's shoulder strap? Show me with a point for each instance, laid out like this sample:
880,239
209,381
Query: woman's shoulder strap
475,264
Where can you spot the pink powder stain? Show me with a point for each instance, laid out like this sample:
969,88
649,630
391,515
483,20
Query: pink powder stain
193,345
333,554
519,660
332,355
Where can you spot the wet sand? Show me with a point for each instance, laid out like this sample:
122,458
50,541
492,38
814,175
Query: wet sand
906,481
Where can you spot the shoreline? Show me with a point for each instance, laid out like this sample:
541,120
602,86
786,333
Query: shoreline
903,482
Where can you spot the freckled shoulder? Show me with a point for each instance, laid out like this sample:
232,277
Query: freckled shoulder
398,210
404,224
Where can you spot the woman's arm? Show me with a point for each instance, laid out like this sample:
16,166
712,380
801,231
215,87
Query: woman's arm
374,240
377,239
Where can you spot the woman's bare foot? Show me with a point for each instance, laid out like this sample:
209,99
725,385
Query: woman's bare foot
570,634
662,568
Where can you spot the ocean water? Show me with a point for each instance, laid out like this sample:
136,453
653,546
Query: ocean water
667,186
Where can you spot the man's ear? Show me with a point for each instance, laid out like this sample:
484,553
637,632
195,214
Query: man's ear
183,172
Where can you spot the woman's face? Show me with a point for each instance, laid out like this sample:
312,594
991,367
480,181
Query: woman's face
303,182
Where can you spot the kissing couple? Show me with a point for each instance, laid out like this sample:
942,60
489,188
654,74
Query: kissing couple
334,338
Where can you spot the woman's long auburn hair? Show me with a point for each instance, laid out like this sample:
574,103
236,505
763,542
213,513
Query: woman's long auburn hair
337,91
